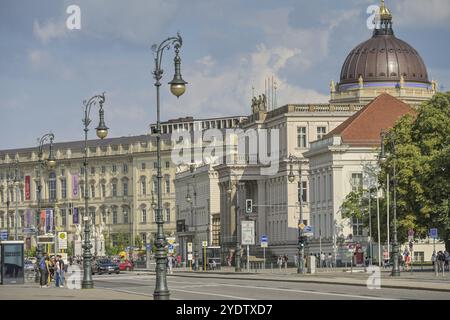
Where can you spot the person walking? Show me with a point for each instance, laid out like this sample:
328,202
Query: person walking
170,264
330,261
446,256
279,262
322,260
62,267
440,259
43,271
57,271
433,260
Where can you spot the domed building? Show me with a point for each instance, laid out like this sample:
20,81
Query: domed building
383,64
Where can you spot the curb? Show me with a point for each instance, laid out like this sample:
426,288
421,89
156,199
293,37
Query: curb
216,276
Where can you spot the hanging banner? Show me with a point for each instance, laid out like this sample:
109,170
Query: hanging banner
75,216
75,185
27,187
49,221
43,219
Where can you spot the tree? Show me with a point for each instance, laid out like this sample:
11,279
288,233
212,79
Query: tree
138,242
422,153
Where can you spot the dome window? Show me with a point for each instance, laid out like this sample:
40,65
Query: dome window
393,74
382,50
382,74
370,74
414,75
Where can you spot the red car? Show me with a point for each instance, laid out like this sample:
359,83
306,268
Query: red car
126,265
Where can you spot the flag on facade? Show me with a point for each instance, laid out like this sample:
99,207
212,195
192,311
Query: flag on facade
27,218
43,215
75,216
49,221
27,187
75,185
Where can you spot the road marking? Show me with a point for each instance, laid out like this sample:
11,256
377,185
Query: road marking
214,294
132,292
313,292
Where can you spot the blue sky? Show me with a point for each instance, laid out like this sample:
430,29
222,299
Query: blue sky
47,70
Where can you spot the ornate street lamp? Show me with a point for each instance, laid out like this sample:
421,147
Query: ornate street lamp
50,163
102,132
177,87
382,159
301,238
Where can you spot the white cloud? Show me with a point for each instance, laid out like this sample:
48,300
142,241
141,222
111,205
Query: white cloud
49,30
419,13
42,62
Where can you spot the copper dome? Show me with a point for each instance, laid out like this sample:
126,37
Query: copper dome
384,58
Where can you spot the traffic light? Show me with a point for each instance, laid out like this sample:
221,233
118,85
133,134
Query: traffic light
302,241
249,206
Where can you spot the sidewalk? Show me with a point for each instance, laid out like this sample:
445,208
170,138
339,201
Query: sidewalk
34,292
341,276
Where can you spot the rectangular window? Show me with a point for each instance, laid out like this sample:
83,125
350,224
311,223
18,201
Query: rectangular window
357,227
114,189
167,164
357,182
114,168
103,169
82,191
104,216
82,170
63,188
114,213
301,137
144,238
143,187
63,217
168,215
155,165
52,187
103,190
63,172
143,165
144,216
321,131
92,170
93,191
125,189
125,215
302,190
167,184
125,168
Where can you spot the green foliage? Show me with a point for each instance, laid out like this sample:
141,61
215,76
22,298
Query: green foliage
422,149
138,242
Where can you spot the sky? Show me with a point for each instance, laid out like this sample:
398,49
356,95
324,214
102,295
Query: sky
229,47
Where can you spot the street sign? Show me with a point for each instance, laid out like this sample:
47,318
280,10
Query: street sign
28,230
4,235
351,247
248,232
433,233
190,256
264,241
46,240
171,240
62,240
308,231
170,248
189,246
204,243
301,226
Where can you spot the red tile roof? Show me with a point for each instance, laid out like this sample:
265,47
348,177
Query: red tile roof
365,126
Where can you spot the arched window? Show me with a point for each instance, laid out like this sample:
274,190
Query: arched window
167,178
114,213
144,215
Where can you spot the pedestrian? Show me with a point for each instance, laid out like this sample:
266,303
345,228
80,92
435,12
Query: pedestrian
62,275
214,264
179,261
440,259
57,268
322,260
407,260
43,271
285,260
48,266
433,260
446,255
330,261
280,262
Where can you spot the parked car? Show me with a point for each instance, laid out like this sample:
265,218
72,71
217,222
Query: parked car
126,265
105,266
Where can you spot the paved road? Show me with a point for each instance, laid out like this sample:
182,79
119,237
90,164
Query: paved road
183,288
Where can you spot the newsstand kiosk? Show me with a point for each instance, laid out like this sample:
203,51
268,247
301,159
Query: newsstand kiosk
12,264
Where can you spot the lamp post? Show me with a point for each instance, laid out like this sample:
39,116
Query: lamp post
177,87
50,162
237,265
301,238
102,132
383,158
